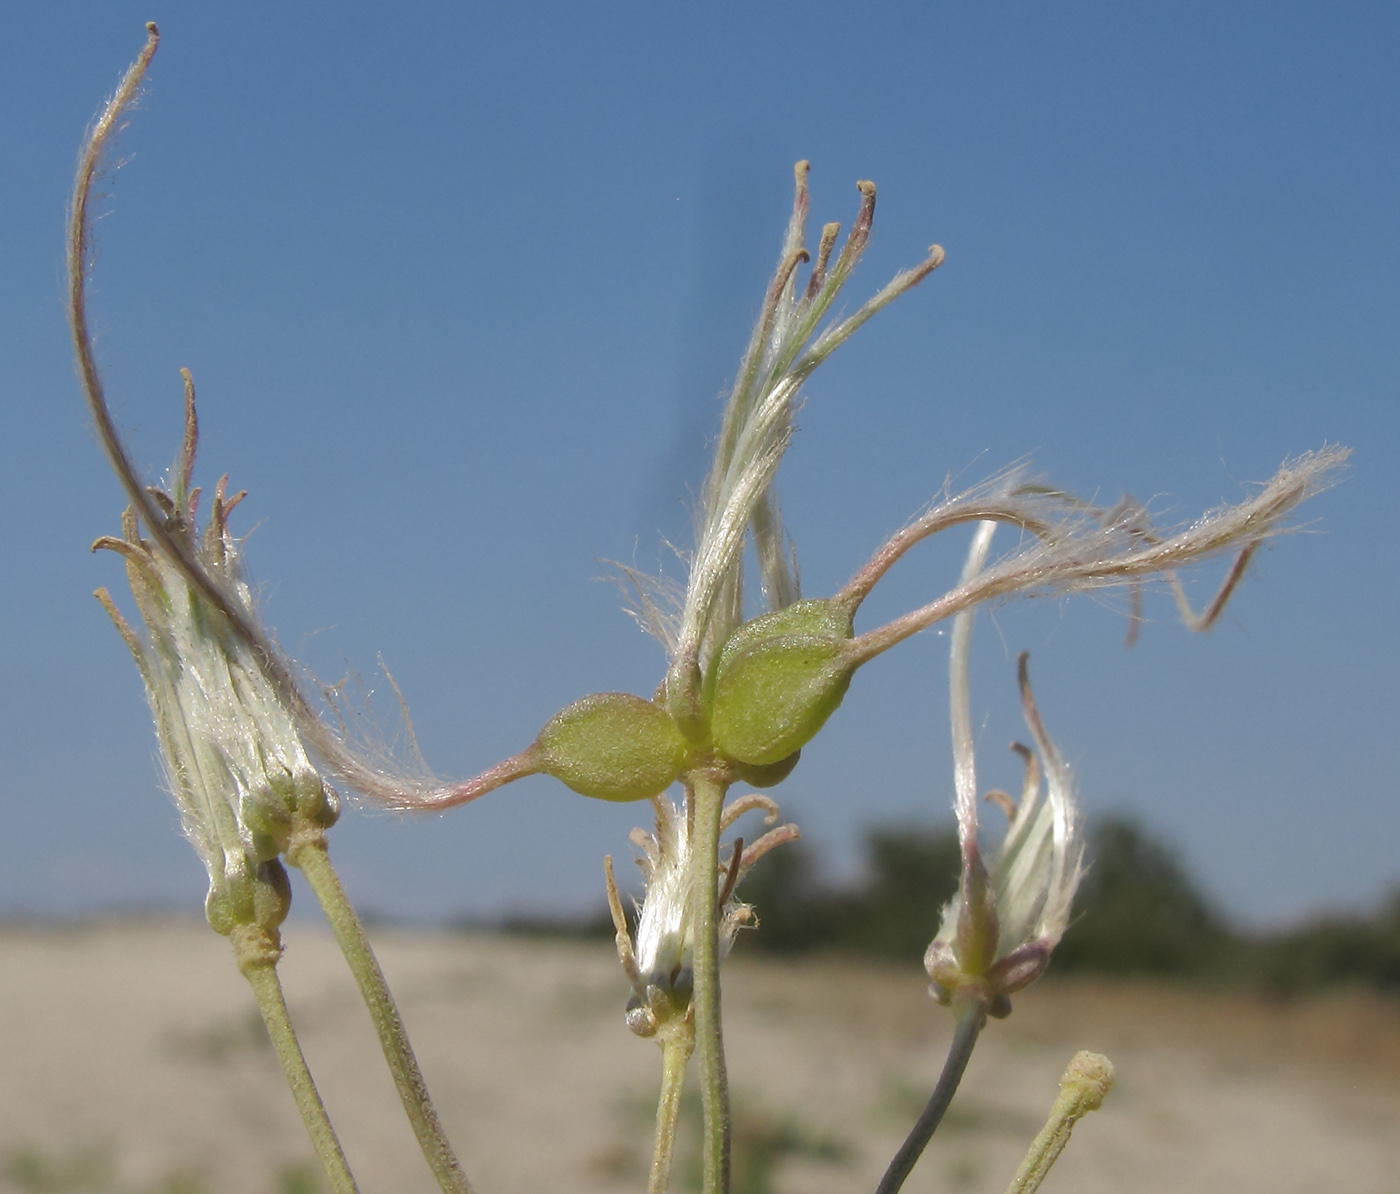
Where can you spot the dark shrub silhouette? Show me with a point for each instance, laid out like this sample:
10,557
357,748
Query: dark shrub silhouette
1138,912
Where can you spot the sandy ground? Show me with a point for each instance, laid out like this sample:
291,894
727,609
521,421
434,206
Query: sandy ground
133,1063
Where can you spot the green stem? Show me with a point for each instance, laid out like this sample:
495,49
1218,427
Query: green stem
1086,1081
970,1021
714,1084
262,977
676,1048
310,857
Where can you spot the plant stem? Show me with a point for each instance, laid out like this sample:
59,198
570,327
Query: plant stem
676,1048
310,857
970,1021
1086,1081
267,988
714,1083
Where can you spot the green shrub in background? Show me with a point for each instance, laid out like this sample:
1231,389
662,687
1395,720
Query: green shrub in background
1138,912
1332,950
911,872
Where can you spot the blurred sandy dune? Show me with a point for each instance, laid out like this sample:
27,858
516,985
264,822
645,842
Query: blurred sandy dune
135,1045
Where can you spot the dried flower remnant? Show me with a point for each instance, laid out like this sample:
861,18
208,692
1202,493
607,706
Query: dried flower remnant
246,787
235,762
998,932
659,958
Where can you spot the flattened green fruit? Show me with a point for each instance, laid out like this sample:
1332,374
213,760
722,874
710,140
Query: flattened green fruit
612,746
775,682
816,618
771,697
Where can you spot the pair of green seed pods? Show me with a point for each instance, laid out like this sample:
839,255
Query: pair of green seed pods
768,691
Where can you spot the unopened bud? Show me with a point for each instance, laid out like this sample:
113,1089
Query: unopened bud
261,898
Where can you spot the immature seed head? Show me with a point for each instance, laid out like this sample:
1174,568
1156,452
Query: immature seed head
739,505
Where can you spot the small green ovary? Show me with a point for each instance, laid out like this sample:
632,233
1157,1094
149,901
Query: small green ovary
612,746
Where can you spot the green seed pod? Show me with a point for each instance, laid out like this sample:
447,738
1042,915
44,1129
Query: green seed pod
612,746
820,619
777,680
267,816
272,811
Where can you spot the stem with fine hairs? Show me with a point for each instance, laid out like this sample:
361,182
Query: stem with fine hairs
261,974
714,1082
676,1047
307,852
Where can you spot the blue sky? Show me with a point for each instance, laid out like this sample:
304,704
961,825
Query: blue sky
461,291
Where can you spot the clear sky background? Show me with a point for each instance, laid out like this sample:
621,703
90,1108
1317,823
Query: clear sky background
462,285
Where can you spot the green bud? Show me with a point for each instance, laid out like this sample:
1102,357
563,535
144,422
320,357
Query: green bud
261,897
272,811
612,746
681,696
272,898
317,801
265,815
777,680
218,911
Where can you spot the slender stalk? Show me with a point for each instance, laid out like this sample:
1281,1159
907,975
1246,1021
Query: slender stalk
310,857
970,1021
1082,1089
262,977
80,253
925,527
714,1083
676,1048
